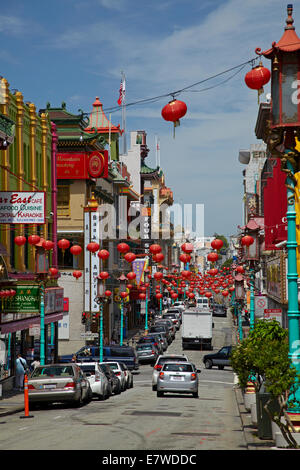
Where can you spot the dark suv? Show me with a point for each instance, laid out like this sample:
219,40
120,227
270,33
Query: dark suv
113,352
220,358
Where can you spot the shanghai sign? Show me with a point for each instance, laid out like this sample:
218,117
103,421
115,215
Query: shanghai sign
22,207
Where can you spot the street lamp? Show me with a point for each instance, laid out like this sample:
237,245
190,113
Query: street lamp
102,298
239,296
123,294
284,127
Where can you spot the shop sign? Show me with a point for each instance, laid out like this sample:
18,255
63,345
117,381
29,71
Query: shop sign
26,300
261,303
138,267
276,279
91,261
54,299
22,207
273,314
82,165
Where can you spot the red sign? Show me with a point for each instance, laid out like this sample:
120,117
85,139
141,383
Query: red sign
82,165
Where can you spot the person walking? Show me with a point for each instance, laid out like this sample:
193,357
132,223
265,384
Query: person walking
21,366
35,363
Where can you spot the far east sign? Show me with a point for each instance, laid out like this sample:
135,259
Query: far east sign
22,207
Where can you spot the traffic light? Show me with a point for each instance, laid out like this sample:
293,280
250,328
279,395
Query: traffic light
83,318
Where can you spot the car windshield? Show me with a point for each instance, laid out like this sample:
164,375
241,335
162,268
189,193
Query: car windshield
178,368
53,371
144,346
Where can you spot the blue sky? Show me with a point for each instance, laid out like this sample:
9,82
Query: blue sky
74,50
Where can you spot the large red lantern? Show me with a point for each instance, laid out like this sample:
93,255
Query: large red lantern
212,256
158,276
247,240
159,296
48,245
130,257
104,275
103,254
142,296
34,239
240,269
63,244
20,240
158,257
185,258
75,250
93,247
131,276
257,77
174,111
154,249
53,271
187,247
107,293
123,248
77,274
216,244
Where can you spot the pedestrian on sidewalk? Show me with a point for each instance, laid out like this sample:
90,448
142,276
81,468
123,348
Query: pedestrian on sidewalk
35,363
21,367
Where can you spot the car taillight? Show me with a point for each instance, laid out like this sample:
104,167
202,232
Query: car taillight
118,373
193,376
70,385
152,352
97,378
30,387
157,367
155,344
161,375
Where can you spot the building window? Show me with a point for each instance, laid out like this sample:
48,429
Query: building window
63,201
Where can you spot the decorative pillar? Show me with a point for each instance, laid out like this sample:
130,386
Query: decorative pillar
19,228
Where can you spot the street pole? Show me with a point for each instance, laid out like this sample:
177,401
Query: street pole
42,325
146,313
252,299
121,326
101,331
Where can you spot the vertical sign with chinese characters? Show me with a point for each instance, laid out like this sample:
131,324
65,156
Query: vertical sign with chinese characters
91,261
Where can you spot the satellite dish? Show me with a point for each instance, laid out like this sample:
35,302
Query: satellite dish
268,97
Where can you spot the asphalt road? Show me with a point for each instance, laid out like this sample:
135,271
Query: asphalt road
137,419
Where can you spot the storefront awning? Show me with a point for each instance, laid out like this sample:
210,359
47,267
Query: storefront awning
12,327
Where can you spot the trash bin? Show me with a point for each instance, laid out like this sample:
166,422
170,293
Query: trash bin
264,425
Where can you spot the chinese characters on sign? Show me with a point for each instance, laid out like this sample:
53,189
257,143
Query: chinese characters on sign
91,261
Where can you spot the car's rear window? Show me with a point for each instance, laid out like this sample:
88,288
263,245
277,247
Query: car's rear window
144,346
177,368
118,352
162,360
53,371
87,369
113,365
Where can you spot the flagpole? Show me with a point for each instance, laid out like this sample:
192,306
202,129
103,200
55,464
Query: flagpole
124,113
109,139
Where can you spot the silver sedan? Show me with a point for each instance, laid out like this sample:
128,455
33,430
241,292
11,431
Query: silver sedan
179,378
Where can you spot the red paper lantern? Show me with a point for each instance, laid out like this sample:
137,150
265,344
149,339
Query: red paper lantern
124,295
159,295
257,77
247,240
217,244
158,276
75,250
225,293
53,271
104,275
158,257
77,274
142,296
208,294
185,258
212,256
48,245
33,239
240,269
20,240
129,286
63,244
123,248
107,293
154,249
174,111
93,247
187,247
130,257
131,276
103,254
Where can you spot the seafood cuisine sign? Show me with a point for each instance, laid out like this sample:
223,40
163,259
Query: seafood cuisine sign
22,207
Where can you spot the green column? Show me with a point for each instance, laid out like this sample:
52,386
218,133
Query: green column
121,326
146,313
101,332
292,277
42,326
252,299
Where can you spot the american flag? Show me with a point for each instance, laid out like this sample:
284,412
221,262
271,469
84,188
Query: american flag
121,92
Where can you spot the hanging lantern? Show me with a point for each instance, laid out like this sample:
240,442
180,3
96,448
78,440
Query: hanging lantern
33,239
174,111
124,295
20,240
77,274
103,254
257,78
130,257
131,276
159,296
225,293
212,256
239,269
63,244
216,244
93,247
75,250
208,294
129,286
48,245
107,293
142,296
247,240
154,249
185,258
158,276
158,257
104,275
187,247
123,248
53,271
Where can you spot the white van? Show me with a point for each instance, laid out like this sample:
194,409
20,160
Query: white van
202,302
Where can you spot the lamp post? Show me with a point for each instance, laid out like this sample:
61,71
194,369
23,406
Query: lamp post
41,269
146,278
239,296
123,294
102,298
284,126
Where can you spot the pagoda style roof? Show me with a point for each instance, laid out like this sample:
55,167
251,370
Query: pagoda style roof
289,42
147,171
98,121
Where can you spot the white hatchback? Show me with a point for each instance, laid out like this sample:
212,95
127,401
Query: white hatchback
97,379
161,360
119,372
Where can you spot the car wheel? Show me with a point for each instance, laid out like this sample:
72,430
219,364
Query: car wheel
160,394
78,403
196,395
131,383
220,367
208,364
154,388
118,391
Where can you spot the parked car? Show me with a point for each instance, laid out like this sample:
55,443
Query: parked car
147,352
179,377
220,358
219,310
152,340
100,386
114,352
177,310
174,317
161,328
58,383
170,325
128,375
111,377
119,372
162,360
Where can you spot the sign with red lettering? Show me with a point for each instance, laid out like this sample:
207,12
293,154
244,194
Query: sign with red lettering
98,164
22,207
82,165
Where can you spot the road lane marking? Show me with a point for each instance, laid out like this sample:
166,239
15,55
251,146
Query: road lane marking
216,382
